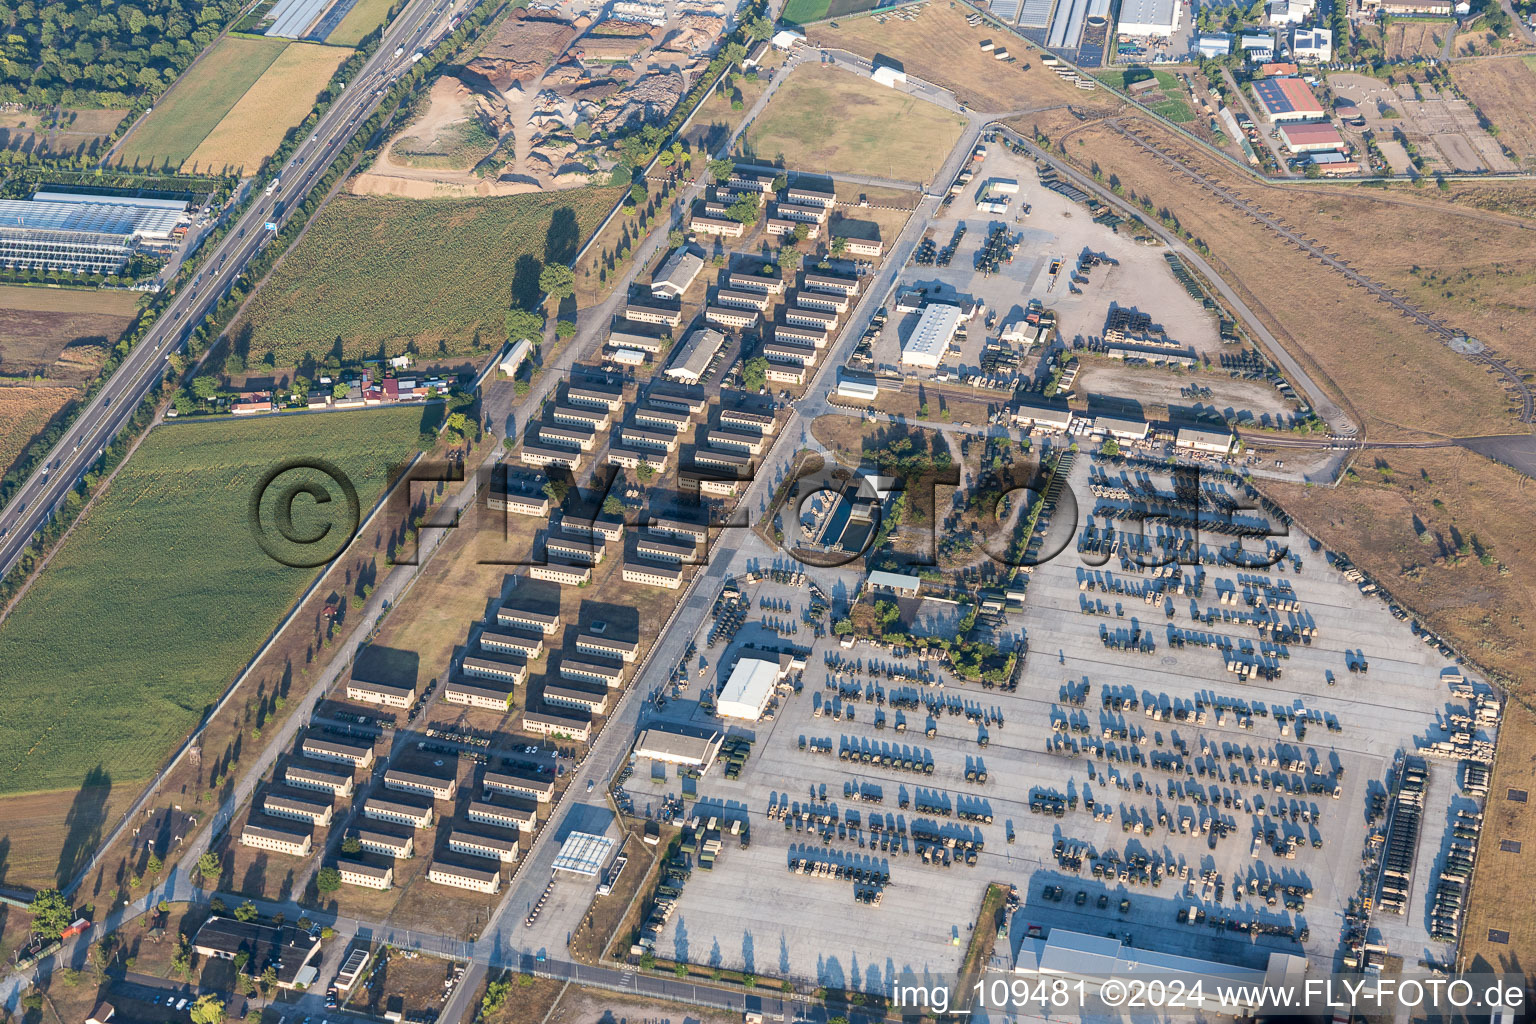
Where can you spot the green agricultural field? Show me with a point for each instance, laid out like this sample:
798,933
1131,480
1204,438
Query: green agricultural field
201,97
163,593
802,12
382,273
829,120
364,17
1174,106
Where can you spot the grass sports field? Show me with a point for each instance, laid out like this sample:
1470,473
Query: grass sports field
169,133
166,581
442,273
364,17
1173,105
278,100
830,120
802,11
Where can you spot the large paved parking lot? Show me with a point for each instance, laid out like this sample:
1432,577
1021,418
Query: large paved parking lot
751,912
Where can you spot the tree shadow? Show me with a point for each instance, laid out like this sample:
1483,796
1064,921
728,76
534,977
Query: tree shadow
83,824
525,282
563,238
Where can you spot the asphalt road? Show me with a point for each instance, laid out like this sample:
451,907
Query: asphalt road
420,24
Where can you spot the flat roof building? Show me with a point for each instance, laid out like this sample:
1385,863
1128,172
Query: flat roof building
1122,428
673,745
901,583
1201,439
1149,18
276,840
931,338
473,879
750,687
358,754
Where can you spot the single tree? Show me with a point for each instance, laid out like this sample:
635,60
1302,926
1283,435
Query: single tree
51,913
327,880
208,867
720,170
558,280
565,329
525,324
754,373
837,245
613,505
247,912
208,1009
204,386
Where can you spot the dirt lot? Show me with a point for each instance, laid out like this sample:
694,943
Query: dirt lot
1416,38
1442,125
1398,237
70,131
592,1006
939,46
1159,391
829,120
1502,90
415,981
59,332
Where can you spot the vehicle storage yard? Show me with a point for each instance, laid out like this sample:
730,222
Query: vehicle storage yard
1058,737
1055,228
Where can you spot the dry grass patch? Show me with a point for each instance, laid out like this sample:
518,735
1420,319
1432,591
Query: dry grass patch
1395,376
827,120
1502,90
939,46
364,17
277,101
1500,893
23,412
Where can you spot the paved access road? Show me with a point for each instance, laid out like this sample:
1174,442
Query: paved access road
419,25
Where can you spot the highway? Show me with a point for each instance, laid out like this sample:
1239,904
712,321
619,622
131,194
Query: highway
419,25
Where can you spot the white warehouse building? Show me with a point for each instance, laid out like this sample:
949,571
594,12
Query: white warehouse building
750,687
932,336
1150,18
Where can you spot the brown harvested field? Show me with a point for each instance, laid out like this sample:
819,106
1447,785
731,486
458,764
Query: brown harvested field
49,835
60,332
278,100
72,132
939,46
23,412
1500,897
1416,38
1502,90
1396,377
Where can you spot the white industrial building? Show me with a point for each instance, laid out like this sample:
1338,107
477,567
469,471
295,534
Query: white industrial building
858,390
1257,47
888,76
1312,44
1204,440
1213,44
1290,12
750,686
1122,428
1149,18
669,745
677,273
932,336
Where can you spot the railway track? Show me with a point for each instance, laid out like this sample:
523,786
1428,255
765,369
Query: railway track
1458,341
